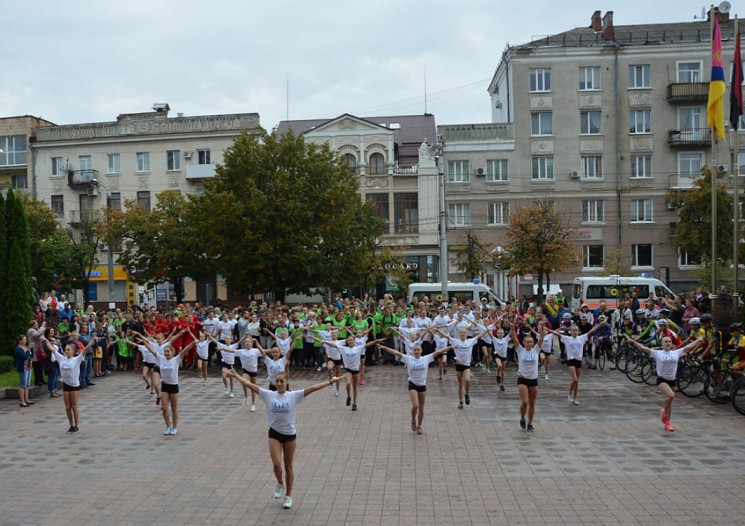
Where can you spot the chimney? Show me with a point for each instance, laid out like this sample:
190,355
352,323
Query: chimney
608,32
596,23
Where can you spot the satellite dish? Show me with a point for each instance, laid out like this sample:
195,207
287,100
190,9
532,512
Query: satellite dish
724,7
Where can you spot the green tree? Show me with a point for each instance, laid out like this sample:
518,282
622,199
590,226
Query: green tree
283,215
164,244
5,344
82,251
48,244
538,243
17,295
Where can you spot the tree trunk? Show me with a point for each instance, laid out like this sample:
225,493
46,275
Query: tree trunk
539,296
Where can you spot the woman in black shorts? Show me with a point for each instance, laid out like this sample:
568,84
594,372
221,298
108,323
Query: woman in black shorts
528,357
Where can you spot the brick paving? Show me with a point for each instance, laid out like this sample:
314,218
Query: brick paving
607,461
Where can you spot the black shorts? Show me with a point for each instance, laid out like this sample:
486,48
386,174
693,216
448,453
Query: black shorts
169,388
574,363
66,387
252,374
283,439
460,368
226,365
149,365
671,383
500,358
548,353
353,371
336,362
527,381
156,369
417,388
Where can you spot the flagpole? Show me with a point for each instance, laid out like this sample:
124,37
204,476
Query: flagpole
713,170
735,188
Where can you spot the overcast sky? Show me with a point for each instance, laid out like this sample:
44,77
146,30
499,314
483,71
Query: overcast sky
80,61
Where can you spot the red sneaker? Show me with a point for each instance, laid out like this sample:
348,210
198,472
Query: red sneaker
668,426
663,416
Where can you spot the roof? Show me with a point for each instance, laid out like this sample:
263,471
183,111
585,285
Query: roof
412,131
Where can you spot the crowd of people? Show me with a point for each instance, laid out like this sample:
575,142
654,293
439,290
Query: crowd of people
67,346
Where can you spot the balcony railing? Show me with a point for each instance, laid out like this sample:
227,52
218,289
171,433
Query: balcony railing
693,138
199,171
688,92
476,132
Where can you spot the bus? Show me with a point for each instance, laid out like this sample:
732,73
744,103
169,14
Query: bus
591,291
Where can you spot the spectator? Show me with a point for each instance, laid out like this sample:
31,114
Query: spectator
22,356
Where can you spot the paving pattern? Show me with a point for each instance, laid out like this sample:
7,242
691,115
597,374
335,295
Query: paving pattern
606,461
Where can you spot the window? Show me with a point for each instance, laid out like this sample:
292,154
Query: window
687,260
590,122
58,205
497,170
143,198
592,256
113,163
58,167
541,123
204,157
459,214
543,167
19,182
351,161
114,200
593,211
540,79
458,172
143,161
13,150
592,167
690,124
689,168
85,162
641,166
639,76
640,121
641,210
380,203
173,160
497,213
406,212
741,163
377,164
589,79
689,72
641,255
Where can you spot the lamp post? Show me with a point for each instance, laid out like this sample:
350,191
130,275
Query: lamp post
443,218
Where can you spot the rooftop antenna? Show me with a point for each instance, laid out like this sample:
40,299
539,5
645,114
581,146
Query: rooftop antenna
425,91
703,14
287,99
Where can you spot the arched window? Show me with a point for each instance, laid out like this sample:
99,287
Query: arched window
351,161
377,164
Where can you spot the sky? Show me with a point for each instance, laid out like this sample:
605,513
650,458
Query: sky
81,61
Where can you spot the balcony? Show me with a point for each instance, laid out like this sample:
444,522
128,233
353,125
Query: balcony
477,132
81,177
195,172
76,217
688,92
693,138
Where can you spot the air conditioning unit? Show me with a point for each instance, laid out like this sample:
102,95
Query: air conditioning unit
722,168
92,191
480,171
187,155
574,174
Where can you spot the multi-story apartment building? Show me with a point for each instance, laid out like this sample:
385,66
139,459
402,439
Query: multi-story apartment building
394,160
602,120
80,169
16,133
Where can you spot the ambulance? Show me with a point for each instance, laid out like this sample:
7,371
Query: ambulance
591,291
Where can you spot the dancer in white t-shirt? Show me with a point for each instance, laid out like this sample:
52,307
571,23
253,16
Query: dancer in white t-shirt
463,347
350,355
528,357
280,416
575,345
417,367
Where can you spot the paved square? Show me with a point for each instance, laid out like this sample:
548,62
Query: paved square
606,461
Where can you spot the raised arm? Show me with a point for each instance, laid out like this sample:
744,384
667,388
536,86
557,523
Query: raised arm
318,387
389,350
513,335
247,383
596,327
636,344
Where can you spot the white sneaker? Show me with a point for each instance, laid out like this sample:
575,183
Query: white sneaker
227,391
336,393
167,431
232,395
204,382
174,431
546,377
575,402
571,400
278,489
288,503
247,403
253,408
319,369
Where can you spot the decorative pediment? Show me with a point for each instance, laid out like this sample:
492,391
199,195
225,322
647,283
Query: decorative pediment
348,123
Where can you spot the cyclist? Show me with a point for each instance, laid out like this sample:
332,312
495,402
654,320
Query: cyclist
649,334
603,340
712,337
663,329
736,345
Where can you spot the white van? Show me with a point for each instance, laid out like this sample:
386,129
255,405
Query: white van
459,291
591,291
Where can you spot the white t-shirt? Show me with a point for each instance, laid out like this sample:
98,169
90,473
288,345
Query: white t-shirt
351,356
500,346
667,362
547,343
417,368
249,359
203,349
225,328
409,344
169,369
527,362
463,349
574,346
69,368
283,344
280,409
273,367
209,325
228,358
147,356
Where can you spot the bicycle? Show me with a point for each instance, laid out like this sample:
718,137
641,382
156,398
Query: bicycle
692,377
738,395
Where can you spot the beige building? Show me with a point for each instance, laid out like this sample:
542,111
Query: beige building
603,120
80,169
16,164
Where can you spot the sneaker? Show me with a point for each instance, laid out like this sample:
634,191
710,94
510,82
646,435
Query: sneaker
278,489
232,395
147,386
71,429
546,377
613,367
354,407
167,431
174,431
253,408
483,367
663,416
204,382
488,370
349,400
288,503
413,424
336,394
445,370
439,379
200,374
227,391
419,430
571,400
669,426
76,429
575,402
362,381
499,379
522,423
468,400
318,369
530,427
460,405
501,388
247,402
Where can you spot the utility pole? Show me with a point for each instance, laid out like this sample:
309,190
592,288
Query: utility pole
443,218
